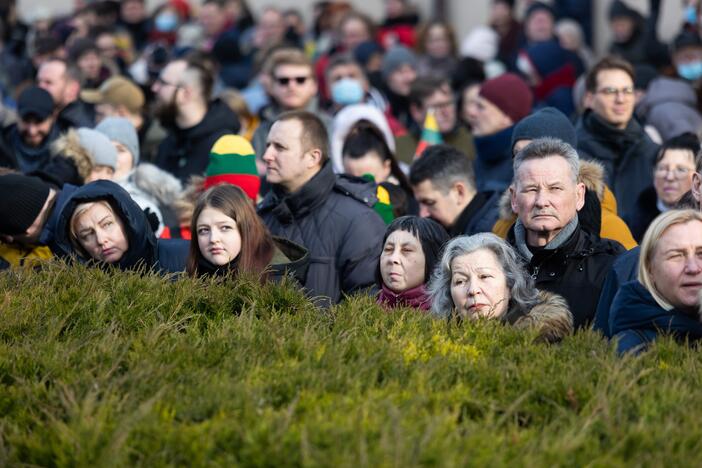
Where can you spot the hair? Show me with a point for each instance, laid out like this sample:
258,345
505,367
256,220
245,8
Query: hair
423,32
77,212
430,234
257,247
423,88
522,292
201,71
547,147
365,137
71,71
650,242
607,63
443,165
286,56
365,19
342,59
68,146
687,141
314,133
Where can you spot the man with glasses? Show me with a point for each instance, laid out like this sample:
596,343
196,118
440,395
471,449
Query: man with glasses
608,133
436,95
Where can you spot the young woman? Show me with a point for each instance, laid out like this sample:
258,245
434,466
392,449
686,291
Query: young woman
411,248
228,238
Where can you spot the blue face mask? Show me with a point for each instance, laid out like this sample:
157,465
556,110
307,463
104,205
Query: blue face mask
347,91
166,22
691,14
690,71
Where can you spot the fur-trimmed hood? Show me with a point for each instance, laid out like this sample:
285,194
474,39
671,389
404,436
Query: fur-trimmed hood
551,317
68,145
158,183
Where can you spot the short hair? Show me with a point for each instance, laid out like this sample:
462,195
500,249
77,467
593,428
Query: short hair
201,71
522,292
287,56
365,19
687,141
314,132
443,165
546,147
608,63
422,88
342,59
650,242
430,234
71,72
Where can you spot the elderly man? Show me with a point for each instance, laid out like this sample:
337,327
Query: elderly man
329,215
562,257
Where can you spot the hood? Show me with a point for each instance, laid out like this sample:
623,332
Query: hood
219,117
667,90
158,183
69,146
551,317
142,240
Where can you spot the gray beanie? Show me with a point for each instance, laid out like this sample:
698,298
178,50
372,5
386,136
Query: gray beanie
395,58
98,146
122,131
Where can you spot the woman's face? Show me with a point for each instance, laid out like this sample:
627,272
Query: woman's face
672,176
470,102
101,234
437,42
402,262
478,285
676,265
218,237
370,163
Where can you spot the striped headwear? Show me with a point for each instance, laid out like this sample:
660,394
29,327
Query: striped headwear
233,161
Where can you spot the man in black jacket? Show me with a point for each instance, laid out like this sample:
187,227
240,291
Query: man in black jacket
560,256
62,80
328,215
193,122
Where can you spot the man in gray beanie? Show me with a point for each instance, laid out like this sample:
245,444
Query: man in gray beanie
399,70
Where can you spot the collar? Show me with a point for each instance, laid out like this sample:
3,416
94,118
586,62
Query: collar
561,238
310,196
495,148
466,216
416,297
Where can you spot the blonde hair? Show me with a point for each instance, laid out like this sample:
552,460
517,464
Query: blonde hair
77,213
650,242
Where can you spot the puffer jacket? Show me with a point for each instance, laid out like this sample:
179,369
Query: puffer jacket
670,105
636,320
164,256
627,156
331,217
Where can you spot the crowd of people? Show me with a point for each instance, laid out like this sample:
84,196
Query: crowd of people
507,176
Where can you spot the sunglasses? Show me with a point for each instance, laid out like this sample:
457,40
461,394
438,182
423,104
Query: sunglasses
285,80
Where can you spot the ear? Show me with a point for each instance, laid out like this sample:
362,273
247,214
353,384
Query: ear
461,191
513,198
313,158
697,186
387,168
580,196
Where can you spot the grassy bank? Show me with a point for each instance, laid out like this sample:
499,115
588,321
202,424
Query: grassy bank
101,369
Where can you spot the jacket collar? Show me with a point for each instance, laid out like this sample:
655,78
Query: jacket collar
313,194
563,238
495,148
466,216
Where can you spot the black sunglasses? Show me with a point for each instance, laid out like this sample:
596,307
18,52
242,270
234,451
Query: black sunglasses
285,80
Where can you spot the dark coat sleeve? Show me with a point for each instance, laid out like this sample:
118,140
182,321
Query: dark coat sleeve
360,252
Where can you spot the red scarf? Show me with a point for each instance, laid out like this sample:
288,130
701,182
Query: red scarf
416,297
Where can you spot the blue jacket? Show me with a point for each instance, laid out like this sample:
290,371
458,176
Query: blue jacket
164,256
623,270
493,164
636,320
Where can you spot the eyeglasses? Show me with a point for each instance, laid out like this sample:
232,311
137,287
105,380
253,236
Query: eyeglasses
610,91
443,105
679,172
285,80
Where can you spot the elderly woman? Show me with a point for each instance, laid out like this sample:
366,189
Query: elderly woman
480,277
666,296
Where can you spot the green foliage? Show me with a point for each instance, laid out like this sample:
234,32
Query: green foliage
103,369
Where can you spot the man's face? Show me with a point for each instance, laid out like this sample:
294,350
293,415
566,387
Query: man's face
166,89
400,81
212,19
293,86
89,65
485,118
545,197
444,106
33,130
288,164
52,78
613,100
622,28
347,70
539,26
689,54
354,32
133,11
442,207
271,27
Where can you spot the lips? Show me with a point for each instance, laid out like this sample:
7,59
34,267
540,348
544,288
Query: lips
217,251
108,252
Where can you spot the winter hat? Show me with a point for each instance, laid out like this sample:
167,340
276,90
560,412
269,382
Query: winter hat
619,9
395,58
538,6
546,122
686,39
366,50
122,131
35,101
547,57
98,146
510,94
23,198
481,44
233,161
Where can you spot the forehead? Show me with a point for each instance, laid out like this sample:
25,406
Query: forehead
402,237
613,77
481,258
52,69
174,69
678,156
214,215
439,94
290,70
288,132
551,168
94,213
345,69
681,235
426,189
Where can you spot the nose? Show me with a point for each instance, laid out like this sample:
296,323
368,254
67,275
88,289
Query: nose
693,265
670,175
268,154
541,199
100,237
473,289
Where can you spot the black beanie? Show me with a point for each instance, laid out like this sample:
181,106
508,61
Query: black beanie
22,197
546,122
619,9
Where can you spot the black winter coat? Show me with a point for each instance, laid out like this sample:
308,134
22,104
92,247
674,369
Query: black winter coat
331,217
575,270
479,215
627,155
16,155
186,152
164,256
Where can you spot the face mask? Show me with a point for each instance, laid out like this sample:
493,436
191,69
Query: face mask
691,14
166,22
347,91
690,71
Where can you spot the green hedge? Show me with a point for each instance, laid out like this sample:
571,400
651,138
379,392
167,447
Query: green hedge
117,369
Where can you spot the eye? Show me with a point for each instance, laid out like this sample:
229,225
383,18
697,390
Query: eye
202,231
225,228
485,276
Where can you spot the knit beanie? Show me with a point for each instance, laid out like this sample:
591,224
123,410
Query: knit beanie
122,131
395,58
510,94
619,9
233,161
98,146
22,197
546,122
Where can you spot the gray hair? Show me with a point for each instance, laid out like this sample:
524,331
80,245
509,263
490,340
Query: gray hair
544,148
523,293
